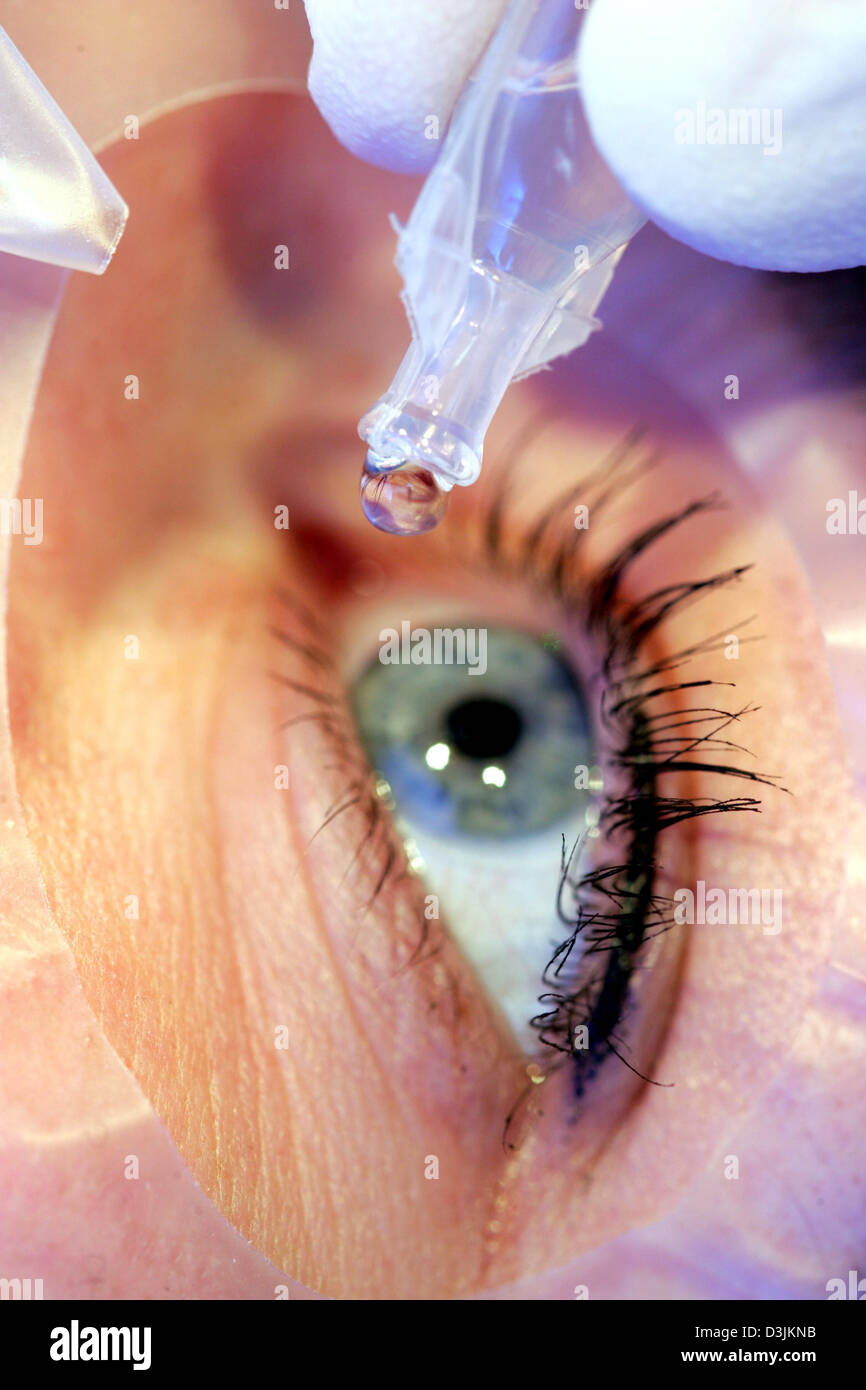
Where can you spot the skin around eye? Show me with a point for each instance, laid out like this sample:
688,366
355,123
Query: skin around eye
342,1107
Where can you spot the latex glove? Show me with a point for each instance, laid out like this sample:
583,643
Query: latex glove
795,199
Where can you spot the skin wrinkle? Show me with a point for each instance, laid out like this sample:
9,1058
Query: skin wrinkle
258,1176
334,956
289,1131
391,1235
247,991
95,1152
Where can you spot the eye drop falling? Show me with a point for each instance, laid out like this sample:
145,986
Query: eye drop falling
505,257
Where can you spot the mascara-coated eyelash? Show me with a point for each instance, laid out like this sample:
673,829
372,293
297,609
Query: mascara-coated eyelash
613,908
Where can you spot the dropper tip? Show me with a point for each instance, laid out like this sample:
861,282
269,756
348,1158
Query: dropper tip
405,500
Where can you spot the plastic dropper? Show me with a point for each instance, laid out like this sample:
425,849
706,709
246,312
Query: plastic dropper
56,203
507,253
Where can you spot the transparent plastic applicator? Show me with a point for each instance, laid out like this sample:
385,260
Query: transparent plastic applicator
56,204
505,258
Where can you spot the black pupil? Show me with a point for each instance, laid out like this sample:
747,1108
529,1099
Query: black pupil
484,728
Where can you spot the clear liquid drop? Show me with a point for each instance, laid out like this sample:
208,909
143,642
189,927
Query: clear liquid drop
405,501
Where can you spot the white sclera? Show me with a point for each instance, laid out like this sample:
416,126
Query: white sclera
498,901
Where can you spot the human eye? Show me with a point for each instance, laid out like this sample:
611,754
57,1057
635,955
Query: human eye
535,783
226,778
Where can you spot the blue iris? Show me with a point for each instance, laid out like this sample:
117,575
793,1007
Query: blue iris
469,753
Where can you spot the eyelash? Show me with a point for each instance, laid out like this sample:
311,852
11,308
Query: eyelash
612,908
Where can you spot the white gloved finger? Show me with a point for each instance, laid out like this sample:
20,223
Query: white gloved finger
663,84
673,88
385,73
